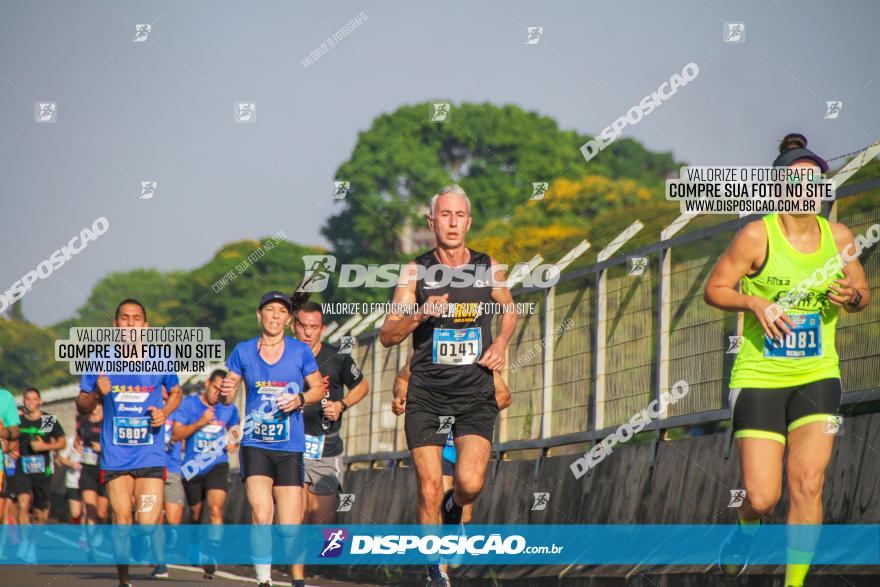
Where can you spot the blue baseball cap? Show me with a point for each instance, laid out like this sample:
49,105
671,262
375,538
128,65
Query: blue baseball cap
276,296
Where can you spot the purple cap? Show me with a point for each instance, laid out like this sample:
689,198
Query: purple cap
276,296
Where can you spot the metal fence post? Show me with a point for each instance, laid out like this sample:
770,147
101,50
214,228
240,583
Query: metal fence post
599,355
664,303
374,391
547,368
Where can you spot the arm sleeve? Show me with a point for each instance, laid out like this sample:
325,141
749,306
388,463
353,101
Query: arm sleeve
351,375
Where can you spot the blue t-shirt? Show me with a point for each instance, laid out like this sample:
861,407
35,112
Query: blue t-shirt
208,438
266,426
173,447
128,440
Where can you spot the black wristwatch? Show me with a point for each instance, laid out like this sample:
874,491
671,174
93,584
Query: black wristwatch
302,400
855,302
344,406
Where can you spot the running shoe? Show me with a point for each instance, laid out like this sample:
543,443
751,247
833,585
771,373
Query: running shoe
442,580
95,537
140,547
454,514
733,555
27,552
160,572
210,569
436,577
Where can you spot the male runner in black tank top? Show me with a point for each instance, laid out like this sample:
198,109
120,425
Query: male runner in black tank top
451,385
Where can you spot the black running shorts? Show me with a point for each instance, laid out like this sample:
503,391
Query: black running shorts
108,475
285,468
197,488
772,413
431,414
90,480
37,484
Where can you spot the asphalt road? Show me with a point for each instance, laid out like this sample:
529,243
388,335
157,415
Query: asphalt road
105,576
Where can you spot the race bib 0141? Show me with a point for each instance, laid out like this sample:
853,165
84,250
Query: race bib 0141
456,346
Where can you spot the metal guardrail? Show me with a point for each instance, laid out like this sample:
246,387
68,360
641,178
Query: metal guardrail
594,367
670,325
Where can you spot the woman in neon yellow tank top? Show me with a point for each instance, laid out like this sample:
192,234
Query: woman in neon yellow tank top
785,384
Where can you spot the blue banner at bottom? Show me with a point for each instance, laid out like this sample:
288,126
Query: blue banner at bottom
403,544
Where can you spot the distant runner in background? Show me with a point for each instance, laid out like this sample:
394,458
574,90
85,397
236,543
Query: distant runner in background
71,459
96,506
173,489
204,424
41,434
324,448
9,430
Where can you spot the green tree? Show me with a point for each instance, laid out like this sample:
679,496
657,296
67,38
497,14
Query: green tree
223,294
27,357
494,152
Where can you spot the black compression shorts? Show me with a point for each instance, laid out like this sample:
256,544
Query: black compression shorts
772,413
285,468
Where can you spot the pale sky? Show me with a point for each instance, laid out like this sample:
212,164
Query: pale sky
162,110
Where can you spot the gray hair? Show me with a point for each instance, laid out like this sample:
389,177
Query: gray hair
450,189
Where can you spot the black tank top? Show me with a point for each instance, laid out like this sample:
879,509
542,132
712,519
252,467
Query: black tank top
446,349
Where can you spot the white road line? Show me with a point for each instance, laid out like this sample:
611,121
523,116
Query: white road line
221,574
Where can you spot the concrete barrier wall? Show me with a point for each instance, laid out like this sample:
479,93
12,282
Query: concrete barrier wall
689,483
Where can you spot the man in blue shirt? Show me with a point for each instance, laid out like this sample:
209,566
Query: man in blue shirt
133,459
204,425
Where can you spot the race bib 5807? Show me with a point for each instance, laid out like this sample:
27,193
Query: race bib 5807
132,431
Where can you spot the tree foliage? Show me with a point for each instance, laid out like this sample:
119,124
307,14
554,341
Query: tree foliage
494,152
